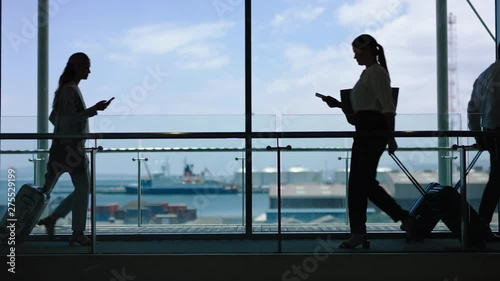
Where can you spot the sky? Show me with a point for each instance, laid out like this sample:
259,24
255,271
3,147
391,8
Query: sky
179,65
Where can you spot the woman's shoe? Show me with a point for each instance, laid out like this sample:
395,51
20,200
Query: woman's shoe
355,241
409,225
50,225
79,238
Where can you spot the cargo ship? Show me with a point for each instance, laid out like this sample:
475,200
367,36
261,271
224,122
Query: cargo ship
188,183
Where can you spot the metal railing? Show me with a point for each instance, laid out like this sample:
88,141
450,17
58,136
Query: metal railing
221,135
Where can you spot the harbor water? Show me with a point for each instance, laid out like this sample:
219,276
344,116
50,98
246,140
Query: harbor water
206,205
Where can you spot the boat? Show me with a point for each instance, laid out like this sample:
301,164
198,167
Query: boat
188,183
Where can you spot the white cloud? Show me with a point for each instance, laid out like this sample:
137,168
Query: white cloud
197,46
203,56
296,16
369,12
297,51
309,13
165,38
123,58
300,56
199,51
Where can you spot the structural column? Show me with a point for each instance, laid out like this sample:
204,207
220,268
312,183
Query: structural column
442,86
1,36
43,86
497,25
248,118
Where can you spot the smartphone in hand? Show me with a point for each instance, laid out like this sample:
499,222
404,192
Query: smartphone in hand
320,96
110,100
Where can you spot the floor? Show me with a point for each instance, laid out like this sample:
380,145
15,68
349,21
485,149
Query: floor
220,252
435,259
229,229
196,239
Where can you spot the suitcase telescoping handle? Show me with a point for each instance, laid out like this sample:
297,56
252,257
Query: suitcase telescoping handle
415,182
470,166
408,174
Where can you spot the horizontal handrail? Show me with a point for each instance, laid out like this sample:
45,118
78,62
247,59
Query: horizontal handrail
242,135
219,149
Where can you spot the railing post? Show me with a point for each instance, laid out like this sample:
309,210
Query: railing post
36,169
243,171
346,186
93,152
450,158
464,205
139,187
278,187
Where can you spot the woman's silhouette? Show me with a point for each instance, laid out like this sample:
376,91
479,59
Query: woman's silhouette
373,109
70,116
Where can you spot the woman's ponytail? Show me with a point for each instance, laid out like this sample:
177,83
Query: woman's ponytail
381,57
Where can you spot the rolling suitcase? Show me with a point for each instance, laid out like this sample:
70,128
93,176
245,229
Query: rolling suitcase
440,202
21,217
447,202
